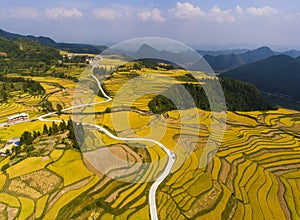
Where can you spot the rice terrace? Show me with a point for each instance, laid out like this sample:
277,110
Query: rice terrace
112,136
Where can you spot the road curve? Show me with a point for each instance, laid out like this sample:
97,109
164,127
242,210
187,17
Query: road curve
171,155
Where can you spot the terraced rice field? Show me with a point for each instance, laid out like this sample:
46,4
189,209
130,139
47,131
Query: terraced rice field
258,156
58,91
8,109
254,174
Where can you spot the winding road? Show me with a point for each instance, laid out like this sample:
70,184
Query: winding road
171,154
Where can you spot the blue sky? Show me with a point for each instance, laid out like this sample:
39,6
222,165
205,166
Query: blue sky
195,22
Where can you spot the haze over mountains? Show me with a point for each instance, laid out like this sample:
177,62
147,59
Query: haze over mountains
276,74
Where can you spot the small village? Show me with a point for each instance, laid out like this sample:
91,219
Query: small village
14,141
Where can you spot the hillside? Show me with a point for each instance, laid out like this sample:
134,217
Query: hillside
70,47
279,75
24,53
226,62
239,96
47,176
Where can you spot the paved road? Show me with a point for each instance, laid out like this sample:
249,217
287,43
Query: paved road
171,155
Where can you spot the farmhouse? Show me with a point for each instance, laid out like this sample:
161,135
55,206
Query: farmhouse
15,119
9,145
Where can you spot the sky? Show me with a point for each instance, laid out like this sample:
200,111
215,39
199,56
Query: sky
200,23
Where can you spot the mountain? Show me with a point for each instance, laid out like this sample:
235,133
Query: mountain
146,51
291,53
25,49
70,47
221,52
278,76
18,55
224,63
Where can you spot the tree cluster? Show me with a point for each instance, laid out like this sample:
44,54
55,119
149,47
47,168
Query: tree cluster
75,133
239,96
13,84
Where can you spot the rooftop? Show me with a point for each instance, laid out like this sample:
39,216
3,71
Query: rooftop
18,115
14,139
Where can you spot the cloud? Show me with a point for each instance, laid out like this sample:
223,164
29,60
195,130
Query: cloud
239,9
106,14
23,13
154,15
218,15
186,10
256,11
58,13
49,13
113,12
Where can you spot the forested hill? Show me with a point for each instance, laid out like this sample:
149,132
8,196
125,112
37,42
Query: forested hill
25,53
46,41
278,75
239,96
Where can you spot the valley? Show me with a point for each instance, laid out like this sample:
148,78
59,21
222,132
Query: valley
257,161
101,137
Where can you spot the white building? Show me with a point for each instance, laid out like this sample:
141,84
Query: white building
9,145
15,119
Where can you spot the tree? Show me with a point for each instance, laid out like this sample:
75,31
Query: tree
63,126
50,131
107,110
47,106
26,138
35,134
54,128
7,152
45,130
4,96
59,108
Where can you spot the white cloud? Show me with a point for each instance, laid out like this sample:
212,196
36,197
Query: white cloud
23,13
106,14
58,13
113,12
218,15
117,12
49,13
239,9
263,11
186,10
154,15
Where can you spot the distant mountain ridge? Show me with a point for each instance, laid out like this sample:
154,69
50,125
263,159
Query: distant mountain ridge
70,47
226,62
278,75
223,63
221,52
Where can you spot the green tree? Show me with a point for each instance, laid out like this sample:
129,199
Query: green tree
50,131
63,126
26,138
45,130
4,96
54,128
59,108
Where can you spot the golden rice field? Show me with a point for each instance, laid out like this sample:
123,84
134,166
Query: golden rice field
253,175
58,91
